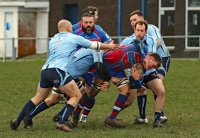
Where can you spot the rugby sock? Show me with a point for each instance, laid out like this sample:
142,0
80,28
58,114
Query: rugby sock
88,107
85,98
28,107
142,100
68,109
119,103
162,112
156,116
41,107
67,97
61,111
78,108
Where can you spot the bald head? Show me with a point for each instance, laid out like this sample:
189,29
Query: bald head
64,26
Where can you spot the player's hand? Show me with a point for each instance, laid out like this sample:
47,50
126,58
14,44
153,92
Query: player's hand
105,86
114,46
115,80
136,73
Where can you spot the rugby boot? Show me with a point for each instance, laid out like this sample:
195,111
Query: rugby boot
63,127
14,124
56,118
113,122
74,121
157,124
139,120
28,123
163,119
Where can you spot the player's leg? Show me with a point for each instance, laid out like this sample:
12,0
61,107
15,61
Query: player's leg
87,107
54,98
82,89
87,97
43,90
123,86
162,71
136,90
71,89
157,87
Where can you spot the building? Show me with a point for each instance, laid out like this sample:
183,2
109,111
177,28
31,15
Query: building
178,20
22,21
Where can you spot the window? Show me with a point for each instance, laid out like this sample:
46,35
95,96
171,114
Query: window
192,23
167,3
193,3
71,13
166,20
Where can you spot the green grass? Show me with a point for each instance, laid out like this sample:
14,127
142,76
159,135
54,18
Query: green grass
19,81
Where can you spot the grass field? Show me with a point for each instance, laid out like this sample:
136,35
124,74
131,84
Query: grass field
18,82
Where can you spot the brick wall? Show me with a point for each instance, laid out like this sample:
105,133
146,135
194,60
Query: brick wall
108,14
108,18
27,28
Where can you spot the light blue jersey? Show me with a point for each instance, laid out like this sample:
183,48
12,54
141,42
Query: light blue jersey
77,66
61,46
152,31
148,41
155,32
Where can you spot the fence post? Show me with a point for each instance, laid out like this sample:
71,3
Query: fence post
199,46
13,49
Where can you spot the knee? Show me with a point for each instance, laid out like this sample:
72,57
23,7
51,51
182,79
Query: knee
128,103
79,96
92,93
160,92
52,100
141,92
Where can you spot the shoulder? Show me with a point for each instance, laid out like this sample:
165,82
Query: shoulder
98,26
129,38
150,37
78,31
99,30
152,27
101,33
76,26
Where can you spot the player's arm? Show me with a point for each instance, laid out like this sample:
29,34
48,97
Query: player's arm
127,40
152,44
95,45
154,32
140,47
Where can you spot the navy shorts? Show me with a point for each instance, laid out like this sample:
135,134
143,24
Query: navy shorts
153,75
88,78
135,84
164,67
54,77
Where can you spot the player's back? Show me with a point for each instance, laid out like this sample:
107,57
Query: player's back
80,62
124,58
61,46
155,32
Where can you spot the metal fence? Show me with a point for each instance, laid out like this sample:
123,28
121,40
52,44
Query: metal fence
14,41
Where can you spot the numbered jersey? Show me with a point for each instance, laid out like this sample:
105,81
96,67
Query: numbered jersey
97,35
125,58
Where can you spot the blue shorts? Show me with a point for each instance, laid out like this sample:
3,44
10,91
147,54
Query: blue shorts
54,77
135,84
164,67
113,72
88,78
153,75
